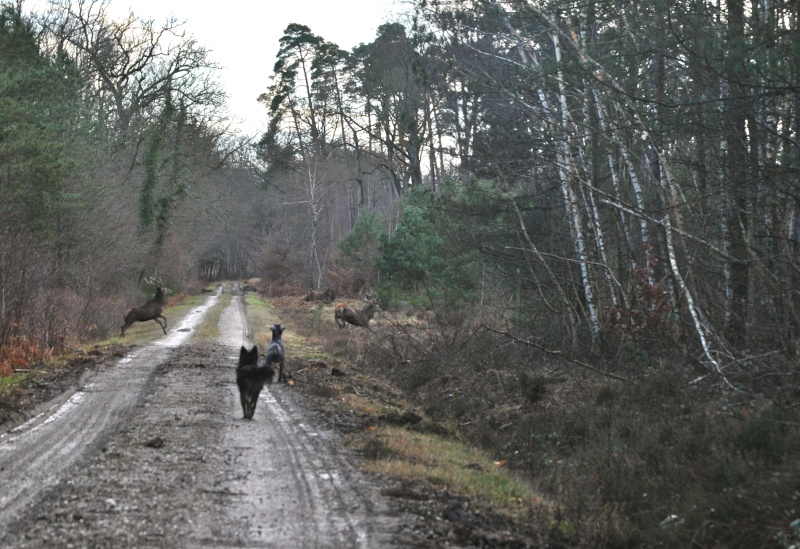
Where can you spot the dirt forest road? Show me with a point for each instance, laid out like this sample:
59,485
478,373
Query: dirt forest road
153,452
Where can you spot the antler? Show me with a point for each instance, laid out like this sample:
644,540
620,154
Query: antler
366,296
154,282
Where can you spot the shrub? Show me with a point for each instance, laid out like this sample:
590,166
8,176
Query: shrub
19,353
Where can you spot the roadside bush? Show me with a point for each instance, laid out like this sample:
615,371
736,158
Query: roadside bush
20,353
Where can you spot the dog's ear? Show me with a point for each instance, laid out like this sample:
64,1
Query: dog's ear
248,357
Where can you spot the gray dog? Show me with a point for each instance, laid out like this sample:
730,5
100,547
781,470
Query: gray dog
276,352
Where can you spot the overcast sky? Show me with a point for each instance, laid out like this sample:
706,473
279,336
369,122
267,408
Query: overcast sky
243,36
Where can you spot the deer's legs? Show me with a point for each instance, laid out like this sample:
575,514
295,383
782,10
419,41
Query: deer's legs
163,326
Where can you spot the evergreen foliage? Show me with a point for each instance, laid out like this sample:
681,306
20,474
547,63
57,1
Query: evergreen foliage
428,254
37,118
359,247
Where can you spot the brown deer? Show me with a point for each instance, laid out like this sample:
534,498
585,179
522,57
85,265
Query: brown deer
150,310
326,296
344,314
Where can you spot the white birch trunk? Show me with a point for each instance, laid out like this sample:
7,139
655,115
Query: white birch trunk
566,173
637,190
615,183
699,325
596,225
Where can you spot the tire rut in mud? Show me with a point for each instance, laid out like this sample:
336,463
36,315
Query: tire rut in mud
156,482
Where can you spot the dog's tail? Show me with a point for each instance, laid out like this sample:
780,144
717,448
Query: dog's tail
261,374
250,371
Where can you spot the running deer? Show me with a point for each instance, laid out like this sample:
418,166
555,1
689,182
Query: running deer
150,310
344,314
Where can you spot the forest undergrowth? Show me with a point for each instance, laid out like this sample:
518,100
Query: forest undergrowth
633,450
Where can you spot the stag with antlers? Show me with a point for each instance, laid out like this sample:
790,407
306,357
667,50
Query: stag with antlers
150,310
343,314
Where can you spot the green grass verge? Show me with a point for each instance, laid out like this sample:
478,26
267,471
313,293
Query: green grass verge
260,316
457,468
209,328
9,382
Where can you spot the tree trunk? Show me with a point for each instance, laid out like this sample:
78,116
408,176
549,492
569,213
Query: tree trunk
566,175
737,178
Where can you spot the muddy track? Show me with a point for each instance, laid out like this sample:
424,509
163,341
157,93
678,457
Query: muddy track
152,452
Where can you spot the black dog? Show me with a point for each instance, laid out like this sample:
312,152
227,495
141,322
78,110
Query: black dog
276,352
250,377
